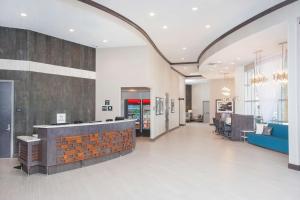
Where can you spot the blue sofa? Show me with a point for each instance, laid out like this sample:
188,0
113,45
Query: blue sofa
277,141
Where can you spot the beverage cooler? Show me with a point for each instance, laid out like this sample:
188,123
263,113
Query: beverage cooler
139,109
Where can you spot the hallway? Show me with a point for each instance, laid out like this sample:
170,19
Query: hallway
188,163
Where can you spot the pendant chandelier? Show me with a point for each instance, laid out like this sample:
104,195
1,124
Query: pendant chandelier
282,75
225,90
258,78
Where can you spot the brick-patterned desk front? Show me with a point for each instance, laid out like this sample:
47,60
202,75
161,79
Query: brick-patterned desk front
69,147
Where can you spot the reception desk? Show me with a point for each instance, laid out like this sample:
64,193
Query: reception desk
59,148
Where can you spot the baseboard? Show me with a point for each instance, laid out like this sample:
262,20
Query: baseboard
162,134
294,167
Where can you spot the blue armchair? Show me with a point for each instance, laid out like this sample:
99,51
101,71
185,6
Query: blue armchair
277,141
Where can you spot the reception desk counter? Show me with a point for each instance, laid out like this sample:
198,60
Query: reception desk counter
59,148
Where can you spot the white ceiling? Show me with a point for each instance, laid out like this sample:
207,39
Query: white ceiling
193,81
186,28
239,53
56,17
243,52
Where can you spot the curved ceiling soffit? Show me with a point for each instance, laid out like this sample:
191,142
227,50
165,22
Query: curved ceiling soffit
243,24
144,33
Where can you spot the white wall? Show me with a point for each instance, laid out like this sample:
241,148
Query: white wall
136,67
210,91
239,90
200,93
216,93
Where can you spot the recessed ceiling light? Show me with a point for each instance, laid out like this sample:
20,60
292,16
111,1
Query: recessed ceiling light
238,58
23,14
207,26
232,63
151,14
219,61
71,30
182,58
165,27
184,48
194,8
105,41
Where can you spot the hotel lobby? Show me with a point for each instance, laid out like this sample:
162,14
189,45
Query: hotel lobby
133,99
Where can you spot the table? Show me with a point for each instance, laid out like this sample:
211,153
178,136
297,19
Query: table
243,134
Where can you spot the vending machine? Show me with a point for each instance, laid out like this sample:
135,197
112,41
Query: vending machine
139,109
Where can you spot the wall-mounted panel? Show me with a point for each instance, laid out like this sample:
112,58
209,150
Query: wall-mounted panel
19,44
40,94
13,44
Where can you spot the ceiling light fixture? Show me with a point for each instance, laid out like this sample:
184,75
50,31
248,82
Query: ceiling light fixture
219,62
194,8
152,14
207,26
225,90
282,75
71,30
23,14
258,78
183,48
238,58
165,27
105,41
232,63
182,58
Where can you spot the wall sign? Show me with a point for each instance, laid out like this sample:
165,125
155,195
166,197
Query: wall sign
107,106
107,102
104,108
60,118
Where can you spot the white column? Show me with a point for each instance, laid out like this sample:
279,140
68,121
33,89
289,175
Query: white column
294,92
239,90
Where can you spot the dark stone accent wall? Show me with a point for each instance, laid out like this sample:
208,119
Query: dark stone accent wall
19,44
73,96
38,96
188,97
13,44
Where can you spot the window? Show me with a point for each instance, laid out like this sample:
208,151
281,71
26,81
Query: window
253,104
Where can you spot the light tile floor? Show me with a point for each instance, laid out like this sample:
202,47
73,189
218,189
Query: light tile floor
188,163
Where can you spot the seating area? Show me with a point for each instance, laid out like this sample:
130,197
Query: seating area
231,125
277,141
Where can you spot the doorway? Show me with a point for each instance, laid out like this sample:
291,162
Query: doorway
206,114
6,116
181,111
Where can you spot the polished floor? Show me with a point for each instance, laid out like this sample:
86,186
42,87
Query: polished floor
188,163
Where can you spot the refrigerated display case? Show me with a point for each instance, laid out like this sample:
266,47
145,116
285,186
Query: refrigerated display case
139,109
